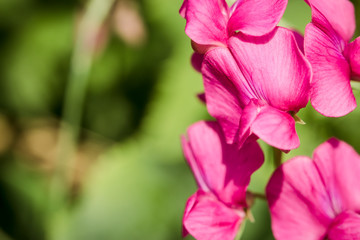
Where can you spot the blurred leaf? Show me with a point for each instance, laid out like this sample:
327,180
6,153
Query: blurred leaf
8,8
129,197
33,77
23,200
297,15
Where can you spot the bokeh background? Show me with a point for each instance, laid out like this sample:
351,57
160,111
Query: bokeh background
126,177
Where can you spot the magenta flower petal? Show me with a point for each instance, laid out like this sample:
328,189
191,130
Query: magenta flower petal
354,58
339,165
195,168
320,195
240,165
298,201
206,21
331,94
345,227
256,17
196,61
250,71
276,128
222,99
207,218
183,8
339,13
202,97
188,207
248,116
283,79
218,167
299,40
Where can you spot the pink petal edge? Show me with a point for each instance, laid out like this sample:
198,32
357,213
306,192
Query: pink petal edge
256,17
345,227
298,200
266,78
206,218
340,14
206,21
218,167
331,93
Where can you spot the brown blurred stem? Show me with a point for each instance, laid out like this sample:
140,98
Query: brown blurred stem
84,49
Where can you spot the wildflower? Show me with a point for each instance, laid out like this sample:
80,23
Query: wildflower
222,173
256,85
211,23
319,198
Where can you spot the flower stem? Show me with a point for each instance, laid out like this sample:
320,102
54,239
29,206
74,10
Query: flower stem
82,58
259,195
277,156
355,85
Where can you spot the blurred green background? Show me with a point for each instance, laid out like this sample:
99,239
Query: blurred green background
128,178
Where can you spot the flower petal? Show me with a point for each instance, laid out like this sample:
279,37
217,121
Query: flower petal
201,97
298,201
218,167
274,68
196,61
345,227
222,99
339,13
354,58
206,218
331,93
248,116
256,17
339,166
240,165
276,128
299,38
183,8
306,194
188,207
206,21
195,168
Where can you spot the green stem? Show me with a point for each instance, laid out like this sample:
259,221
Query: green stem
355,85
82,58
277,156
259,195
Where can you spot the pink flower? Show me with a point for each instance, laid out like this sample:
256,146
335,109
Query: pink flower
210,23
255,85
222,173
319,198
334,60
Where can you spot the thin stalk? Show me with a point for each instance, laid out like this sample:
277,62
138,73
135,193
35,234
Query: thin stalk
259,195
355,85
277,156
82,58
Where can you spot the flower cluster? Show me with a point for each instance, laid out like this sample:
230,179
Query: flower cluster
257,76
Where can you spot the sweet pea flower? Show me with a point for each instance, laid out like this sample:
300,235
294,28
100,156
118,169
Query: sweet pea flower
222,173
256,85
317,199
210,23
334,60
